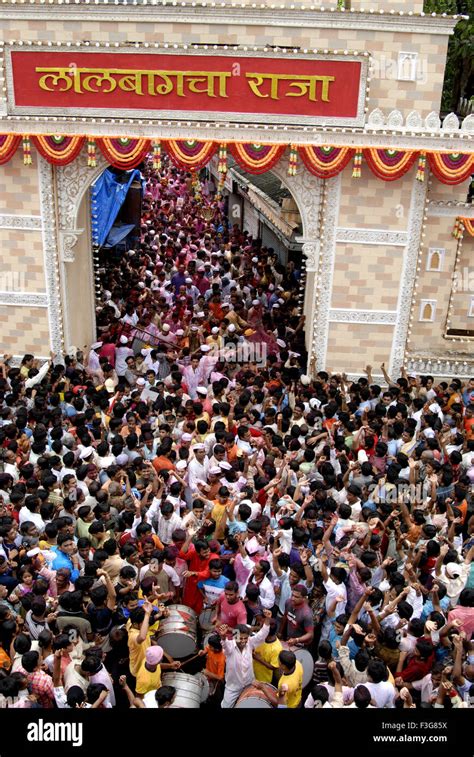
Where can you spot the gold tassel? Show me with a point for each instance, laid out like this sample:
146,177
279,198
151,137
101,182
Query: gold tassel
420,174
91,158
222,165
356,171
157,156
27,159
458,229
293,161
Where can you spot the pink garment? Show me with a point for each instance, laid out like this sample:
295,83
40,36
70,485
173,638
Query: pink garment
466,615
108,351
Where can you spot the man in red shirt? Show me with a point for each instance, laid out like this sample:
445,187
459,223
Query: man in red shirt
418,666
39,683
231,610
198,556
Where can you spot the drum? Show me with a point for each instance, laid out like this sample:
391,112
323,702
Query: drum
205,620
252,697
189,689
307,662
177,633
205,686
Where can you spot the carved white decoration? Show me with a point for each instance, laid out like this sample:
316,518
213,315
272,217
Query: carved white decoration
306,191
376,119
408,275
320,328
380,317
431,304
73,181
442,210
451,122
26,223
371,236
48,214
414,120
435,255
395,120
433,121
461,365
468,124
67,242
28,299
407,66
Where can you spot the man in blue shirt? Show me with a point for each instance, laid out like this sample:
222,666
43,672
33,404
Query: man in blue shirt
66,556
213,586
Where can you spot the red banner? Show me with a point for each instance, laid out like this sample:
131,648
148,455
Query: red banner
288,89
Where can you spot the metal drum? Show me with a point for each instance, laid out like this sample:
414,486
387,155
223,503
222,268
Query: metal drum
190,690
307,662
177,633
255,698
205,619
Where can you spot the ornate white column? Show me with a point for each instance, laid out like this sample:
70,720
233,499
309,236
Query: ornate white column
408,275
50,253
317,335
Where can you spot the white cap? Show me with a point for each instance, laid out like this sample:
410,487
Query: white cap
225,465
200,314
124,339
304,379
281,301
215,470
281,343
148,273
188,281
255,302
141,381
254,260
96,345
201,390
226,305
199,446
187,438
194,328
214,330
231,327
362,456
314,403
181,465
141,285
205,348
179,332
86,452
275,306
109,385
166,327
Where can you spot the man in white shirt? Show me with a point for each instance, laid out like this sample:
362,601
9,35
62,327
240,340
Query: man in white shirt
239,658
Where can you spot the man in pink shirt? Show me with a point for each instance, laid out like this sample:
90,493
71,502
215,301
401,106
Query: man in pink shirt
464,612
230,608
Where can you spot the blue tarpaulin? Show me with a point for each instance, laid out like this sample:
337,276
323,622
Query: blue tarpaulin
117,234
108,196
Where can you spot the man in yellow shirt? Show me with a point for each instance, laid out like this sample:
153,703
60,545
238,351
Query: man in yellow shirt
265,657
149,673
291,680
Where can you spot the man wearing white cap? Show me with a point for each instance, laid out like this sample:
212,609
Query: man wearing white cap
192,376
122,352
198,467
214,339
191,290
92,364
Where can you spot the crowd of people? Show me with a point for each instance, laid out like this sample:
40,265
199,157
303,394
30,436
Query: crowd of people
188,463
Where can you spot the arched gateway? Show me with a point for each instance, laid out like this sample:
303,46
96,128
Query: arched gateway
371,228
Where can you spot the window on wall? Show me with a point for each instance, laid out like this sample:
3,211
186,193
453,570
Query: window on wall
407,65
427,311
461,305
435,259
